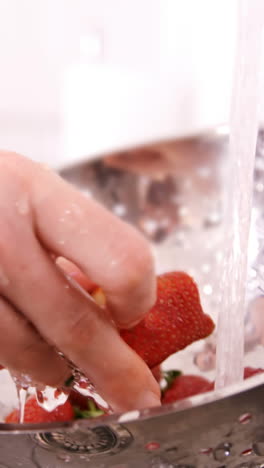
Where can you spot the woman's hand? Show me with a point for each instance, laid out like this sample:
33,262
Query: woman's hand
41,218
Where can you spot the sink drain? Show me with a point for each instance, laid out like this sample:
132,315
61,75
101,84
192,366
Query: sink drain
100,439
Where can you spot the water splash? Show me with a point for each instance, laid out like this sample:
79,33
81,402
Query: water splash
50,398
243,137
22,397
85,387
22,386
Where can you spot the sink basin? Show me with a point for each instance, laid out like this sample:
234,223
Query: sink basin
172,191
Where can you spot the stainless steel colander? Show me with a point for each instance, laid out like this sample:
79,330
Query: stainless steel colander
173,192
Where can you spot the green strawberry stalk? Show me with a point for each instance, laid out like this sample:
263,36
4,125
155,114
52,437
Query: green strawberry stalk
92,411
168,378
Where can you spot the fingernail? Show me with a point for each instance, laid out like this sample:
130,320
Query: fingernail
147,399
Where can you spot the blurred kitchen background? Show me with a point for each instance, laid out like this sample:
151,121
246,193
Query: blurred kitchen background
81,77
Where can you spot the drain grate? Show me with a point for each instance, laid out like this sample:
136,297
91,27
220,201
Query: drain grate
100,439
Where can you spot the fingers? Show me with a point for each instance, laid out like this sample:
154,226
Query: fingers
76,326
107,250
23,351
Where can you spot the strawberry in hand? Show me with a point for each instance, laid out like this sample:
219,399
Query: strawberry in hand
36,414
90,410
174,322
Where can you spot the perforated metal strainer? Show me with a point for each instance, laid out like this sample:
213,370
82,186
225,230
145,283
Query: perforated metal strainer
172,191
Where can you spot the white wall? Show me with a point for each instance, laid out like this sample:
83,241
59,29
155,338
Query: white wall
165,68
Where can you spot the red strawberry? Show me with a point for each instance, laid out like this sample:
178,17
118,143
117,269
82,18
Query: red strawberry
184,386
35,414
90,410
250,371
175,321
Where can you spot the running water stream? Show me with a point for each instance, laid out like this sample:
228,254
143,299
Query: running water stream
239,190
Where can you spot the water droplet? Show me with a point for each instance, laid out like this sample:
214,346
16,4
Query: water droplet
61,242
149,226
207,289
64,457
206,451
245,418
205,360
246,452
4,280
258,447
62,220
119,209
183,211
22,205
85,457
222,451
212,219
206,268
87,193
152,446
66,286
67,212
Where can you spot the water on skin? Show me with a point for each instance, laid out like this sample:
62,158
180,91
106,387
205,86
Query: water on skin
22,205
243,136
